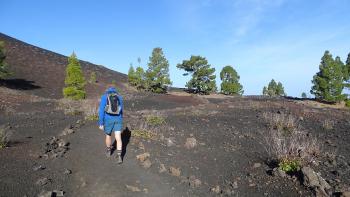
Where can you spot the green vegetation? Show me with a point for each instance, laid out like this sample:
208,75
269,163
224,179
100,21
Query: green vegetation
274,89
329,81
347,72
4,68
289,166
4,137
143,134
155,120
347,103
303,95
93,78
230,81
136,78
75,81
157,74
203,77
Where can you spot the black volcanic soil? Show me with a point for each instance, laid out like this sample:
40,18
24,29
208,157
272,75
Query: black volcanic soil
229,144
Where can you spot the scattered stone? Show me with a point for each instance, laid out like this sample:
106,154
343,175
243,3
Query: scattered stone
191,143
195,182
252,185
216,189
315,181
278,172
146,164
45,194
170,142
235,185
257,165
141,146
38,167
175,171
58,193
132,188
145,190
67,171
67,131
42,181
162,168
142,157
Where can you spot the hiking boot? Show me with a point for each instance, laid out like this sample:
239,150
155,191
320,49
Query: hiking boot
119,159
109,152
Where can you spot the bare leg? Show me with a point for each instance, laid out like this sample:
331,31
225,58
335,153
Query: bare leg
118,138
108,141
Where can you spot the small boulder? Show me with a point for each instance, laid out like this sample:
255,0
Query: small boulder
142,157
132,188
216,189
191,143
257,165
146,164
162,168
315,181
42,181
175,171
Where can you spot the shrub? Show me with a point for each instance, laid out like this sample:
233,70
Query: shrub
4,68
74,93
4,136
145,134
289,166
93,78
274,89
347,103
155,120
287,143
328,124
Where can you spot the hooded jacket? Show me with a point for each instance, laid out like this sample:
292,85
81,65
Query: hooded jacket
103,116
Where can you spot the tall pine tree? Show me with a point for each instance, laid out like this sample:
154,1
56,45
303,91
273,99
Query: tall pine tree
347,72
203,77
328,83
157,74
75,81
230,81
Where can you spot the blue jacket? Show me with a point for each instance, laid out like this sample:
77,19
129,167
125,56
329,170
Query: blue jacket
103,116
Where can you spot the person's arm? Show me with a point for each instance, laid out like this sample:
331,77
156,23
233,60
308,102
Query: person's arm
121,105
101,110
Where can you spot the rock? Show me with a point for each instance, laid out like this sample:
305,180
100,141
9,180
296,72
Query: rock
194,182
146,164
132,188
62,143
38,167
278,172
45,194
216,189
235,185
162,168
141,146
345,194
175,171
67,171
58,193
170,142
42,181
315,181
67,131
257,165
191,143
142,157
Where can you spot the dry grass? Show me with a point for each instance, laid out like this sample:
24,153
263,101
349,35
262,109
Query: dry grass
328,124
286,141
87,107
4,136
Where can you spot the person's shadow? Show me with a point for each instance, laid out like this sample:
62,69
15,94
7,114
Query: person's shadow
126,134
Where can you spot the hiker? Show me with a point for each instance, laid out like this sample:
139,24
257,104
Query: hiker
111,119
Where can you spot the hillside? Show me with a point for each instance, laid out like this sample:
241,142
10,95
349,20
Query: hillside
41,72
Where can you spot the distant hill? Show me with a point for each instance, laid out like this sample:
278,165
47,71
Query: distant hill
42,72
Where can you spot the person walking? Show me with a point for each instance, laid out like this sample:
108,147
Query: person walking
111,119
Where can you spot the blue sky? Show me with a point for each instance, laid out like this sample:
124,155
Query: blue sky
261,39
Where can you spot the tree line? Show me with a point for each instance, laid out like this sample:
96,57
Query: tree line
328,83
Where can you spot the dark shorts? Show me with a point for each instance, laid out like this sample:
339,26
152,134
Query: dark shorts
112,126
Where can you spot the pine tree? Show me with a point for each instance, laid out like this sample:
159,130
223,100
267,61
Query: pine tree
132,76
157,74
230,81
4,69
347,72
140,78
274,89
75,81
303,95
280,89
328,82
203,77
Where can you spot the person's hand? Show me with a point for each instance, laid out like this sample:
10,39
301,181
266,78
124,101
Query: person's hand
101,127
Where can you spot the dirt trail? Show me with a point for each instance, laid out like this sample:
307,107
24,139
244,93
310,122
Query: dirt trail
96,175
